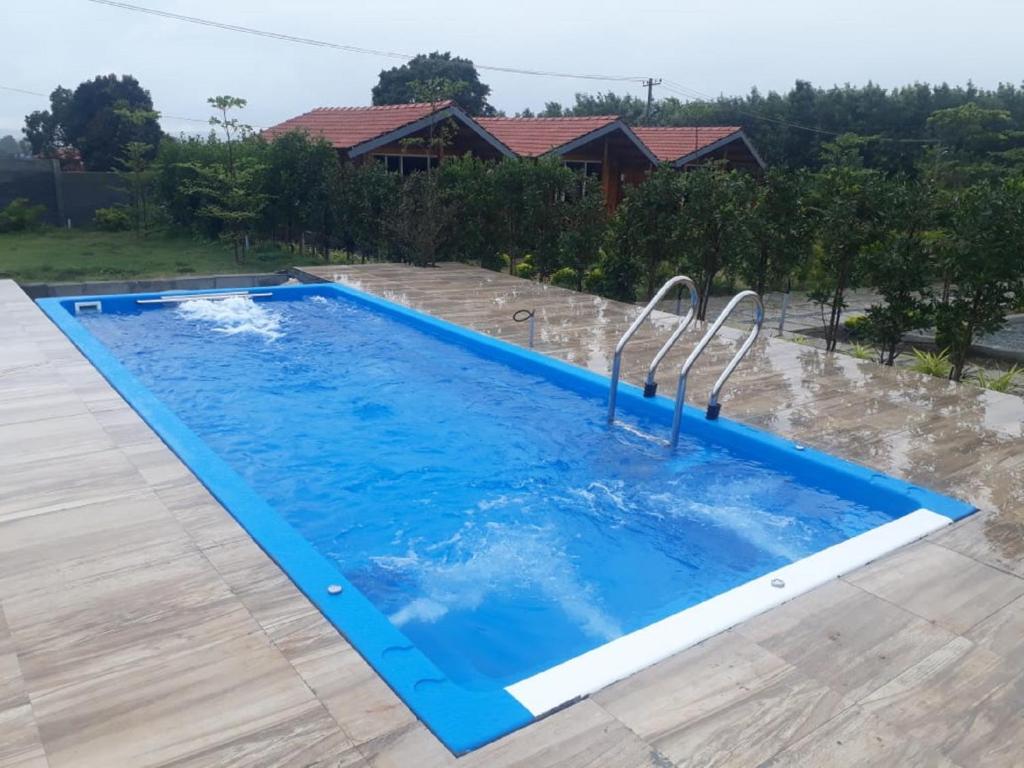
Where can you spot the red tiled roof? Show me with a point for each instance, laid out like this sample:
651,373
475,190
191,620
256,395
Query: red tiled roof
534,136
346,127
671,143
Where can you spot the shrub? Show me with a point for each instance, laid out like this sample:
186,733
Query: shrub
526,270
114,219
1001,383
20,216
932,363
565,278
862,351
856,326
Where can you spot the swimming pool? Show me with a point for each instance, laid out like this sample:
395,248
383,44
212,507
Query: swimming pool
499,549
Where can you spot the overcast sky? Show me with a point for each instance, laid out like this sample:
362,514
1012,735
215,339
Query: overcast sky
709,47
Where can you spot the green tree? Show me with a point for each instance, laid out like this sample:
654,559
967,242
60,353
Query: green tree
783,229
900,267
469,182
298,179
231,191
973,144
10,146
95,120
44,129
134,168
584,220
715,225
982,255
397,85
421,221
644,236
529,196
363,199
848,204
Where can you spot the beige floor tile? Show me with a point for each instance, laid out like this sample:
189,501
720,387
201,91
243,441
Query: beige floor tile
845,637
1002,633
61,483
962,699
940,585
171,706
855,739
362,703
51,550
584,735
726,702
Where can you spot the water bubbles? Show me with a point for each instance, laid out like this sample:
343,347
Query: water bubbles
235,315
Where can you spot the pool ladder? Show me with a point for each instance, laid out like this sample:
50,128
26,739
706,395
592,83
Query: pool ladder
651,386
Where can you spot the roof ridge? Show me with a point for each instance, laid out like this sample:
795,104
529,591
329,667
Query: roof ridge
384,107
684,127
552,117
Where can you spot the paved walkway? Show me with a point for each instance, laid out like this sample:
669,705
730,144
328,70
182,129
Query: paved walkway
139,625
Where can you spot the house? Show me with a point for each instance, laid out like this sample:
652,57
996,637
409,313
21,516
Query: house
686,146
397,135
602,147
404,138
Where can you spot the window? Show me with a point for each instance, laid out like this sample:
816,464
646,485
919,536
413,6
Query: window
590,169
406,164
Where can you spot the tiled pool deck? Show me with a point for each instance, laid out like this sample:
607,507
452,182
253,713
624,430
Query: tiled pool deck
139,625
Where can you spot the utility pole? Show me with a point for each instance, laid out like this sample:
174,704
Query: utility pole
650,82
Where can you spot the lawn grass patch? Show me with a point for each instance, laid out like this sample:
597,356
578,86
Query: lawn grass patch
55,255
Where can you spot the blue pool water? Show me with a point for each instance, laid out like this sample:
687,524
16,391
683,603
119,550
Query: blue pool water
490,514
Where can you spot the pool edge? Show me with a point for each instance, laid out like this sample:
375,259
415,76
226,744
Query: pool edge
462,720
626,655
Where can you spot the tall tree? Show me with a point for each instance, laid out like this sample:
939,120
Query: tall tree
232,191
983,258
848,203
715,224
95,120
44,129
298,179
644,235
783,228
10,146
398,84
900,267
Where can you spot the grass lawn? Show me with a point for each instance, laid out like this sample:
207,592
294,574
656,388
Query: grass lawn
57,255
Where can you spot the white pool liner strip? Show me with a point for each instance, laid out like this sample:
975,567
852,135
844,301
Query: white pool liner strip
591,671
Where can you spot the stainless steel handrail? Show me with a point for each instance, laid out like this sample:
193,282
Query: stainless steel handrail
617,359
713,406
650,384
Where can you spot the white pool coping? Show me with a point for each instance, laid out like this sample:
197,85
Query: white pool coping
615,660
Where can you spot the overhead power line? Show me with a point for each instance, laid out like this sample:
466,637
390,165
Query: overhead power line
22,90
46,96
348,48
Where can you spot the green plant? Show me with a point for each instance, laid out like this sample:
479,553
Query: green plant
856,326
526,270
21,216
982,263
932,363
1000,383
862,351
114,219
566,277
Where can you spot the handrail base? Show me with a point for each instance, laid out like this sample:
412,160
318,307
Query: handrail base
713,411
650,389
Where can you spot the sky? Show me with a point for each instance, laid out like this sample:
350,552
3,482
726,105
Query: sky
705,47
